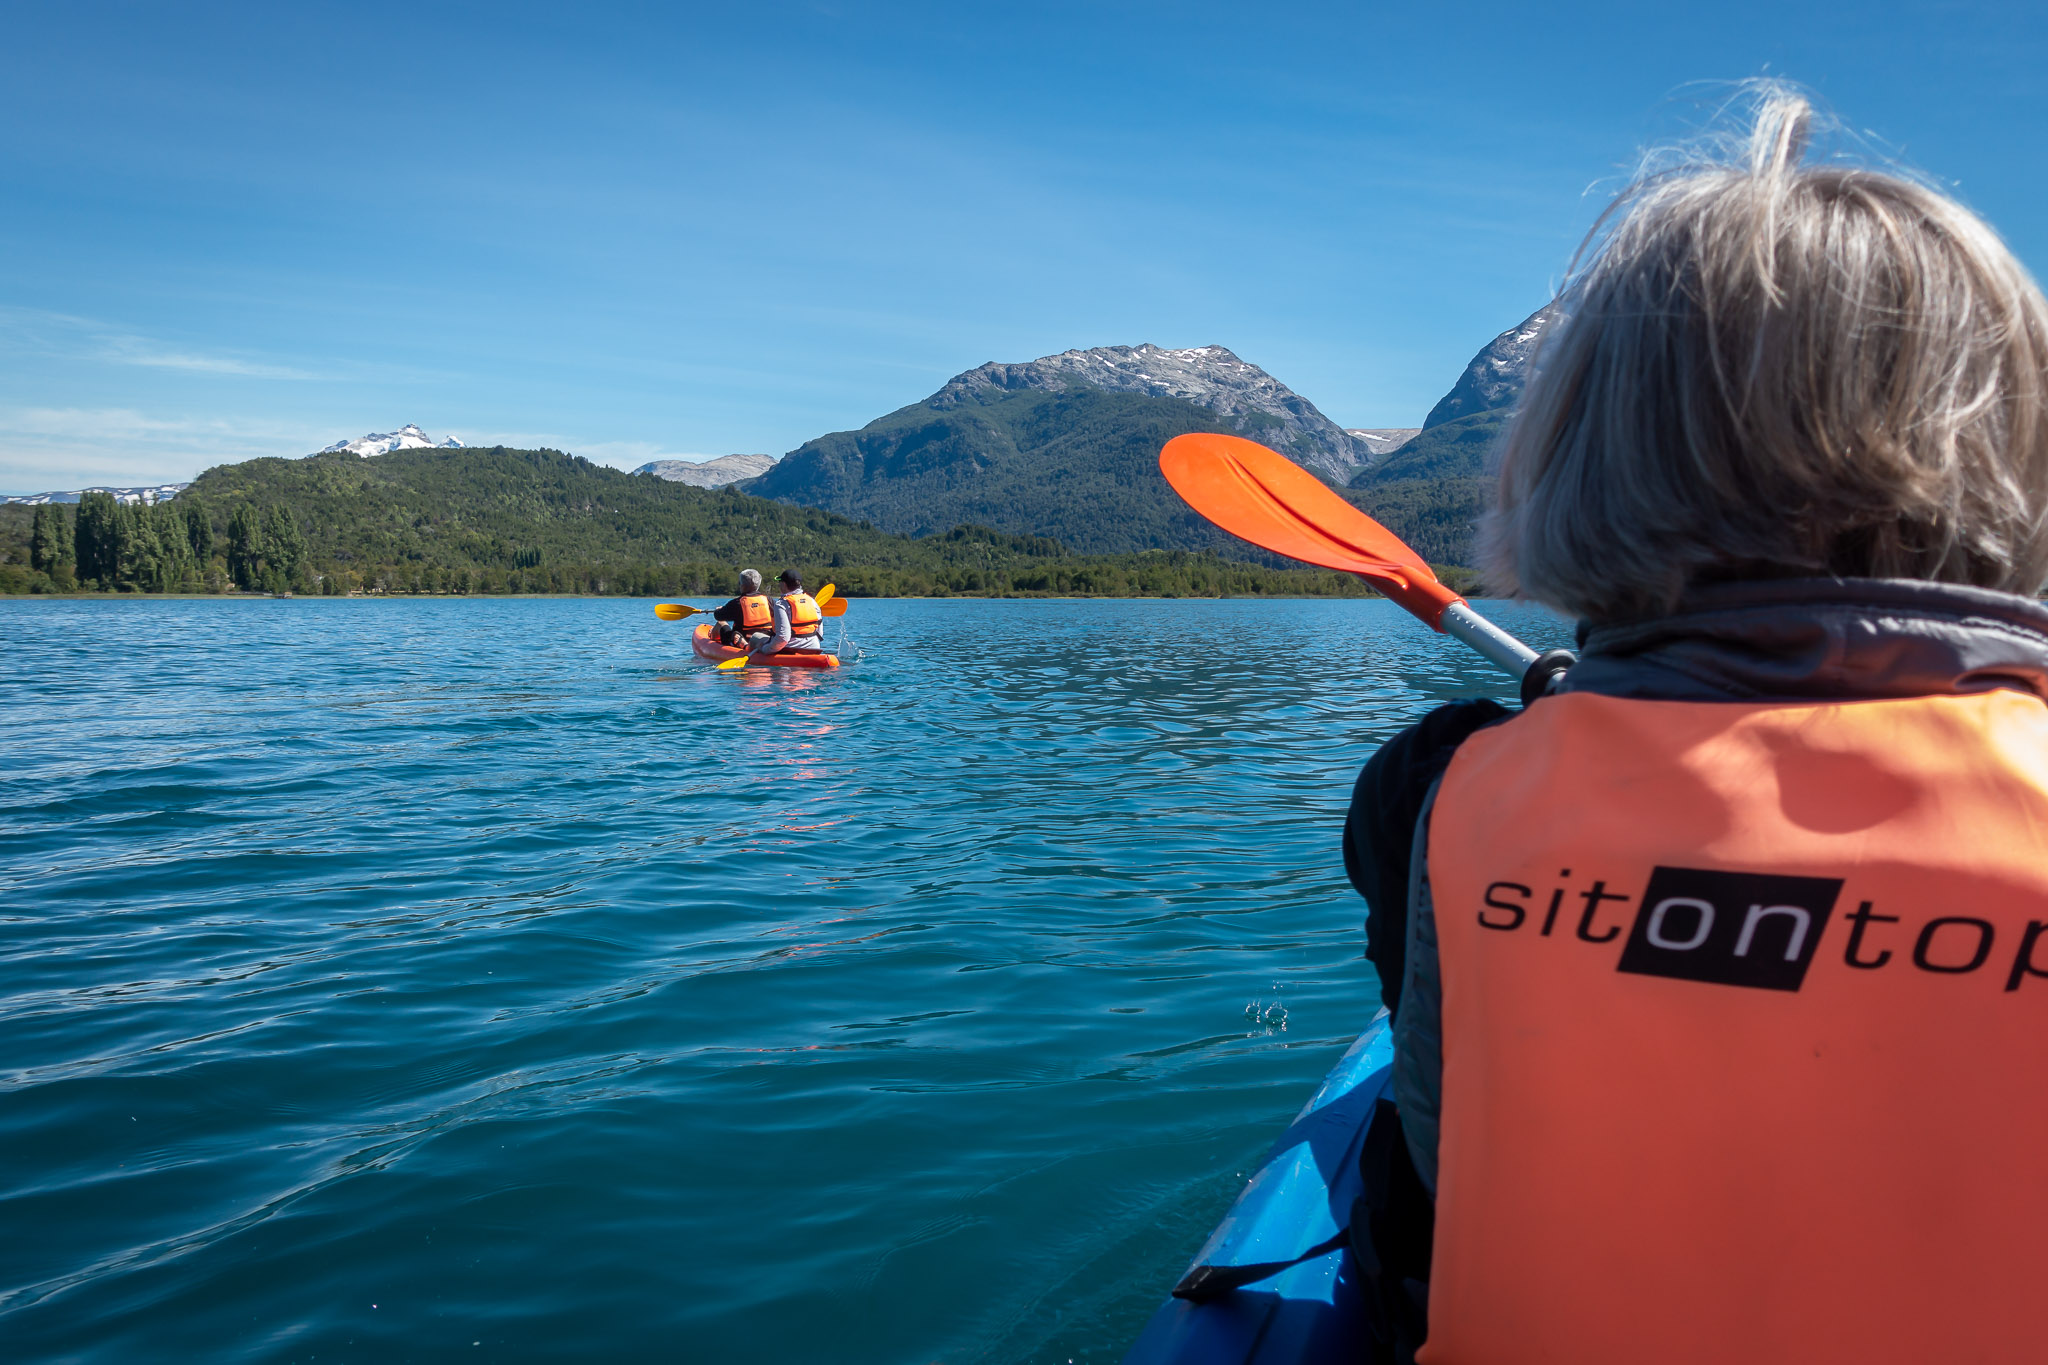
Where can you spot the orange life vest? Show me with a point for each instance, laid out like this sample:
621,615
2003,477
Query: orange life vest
1745,1033
805,617
755,613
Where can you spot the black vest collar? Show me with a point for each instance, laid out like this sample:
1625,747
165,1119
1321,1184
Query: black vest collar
1807,639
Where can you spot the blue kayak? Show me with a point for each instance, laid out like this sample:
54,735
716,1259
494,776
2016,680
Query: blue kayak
1298,1199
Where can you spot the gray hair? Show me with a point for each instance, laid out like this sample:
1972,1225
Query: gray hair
1766,369
750,580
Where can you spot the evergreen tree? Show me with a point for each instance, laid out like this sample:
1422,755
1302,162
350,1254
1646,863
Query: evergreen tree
84,524
99,539
139,550
134,541
42,541
163,555
283,545
245,547
64,553
198,528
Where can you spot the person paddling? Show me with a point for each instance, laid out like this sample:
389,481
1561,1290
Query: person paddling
1720,973
798,623
747,619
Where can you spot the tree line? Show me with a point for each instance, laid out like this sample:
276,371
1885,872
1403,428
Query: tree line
109,546
172,547
497,521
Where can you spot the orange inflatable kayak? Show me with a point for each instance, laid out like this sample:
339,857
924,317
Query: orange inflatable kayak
711,651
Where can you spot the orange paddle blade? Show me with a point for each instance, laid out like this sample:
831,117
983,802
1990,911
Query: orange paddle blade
836,607
1262,496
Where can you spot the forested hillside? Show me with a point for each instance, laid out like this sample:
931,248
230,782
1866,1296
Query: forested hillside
1065,446
1038,449
1032,478
1432,490
498,520
1081,466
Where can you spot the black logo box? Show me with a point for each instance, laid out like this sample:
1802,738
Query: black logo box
1729,928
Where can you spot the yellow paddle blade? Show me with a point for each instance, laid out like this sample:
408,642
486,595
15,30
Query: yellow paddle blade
825,594
674,611
836,607
730,664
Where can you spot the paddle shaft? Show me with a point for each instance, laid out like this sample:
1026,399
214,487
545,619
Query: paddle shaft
1498,647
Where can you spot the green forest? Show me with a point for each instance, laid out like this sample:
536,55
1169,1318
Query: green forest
1432,490
474,521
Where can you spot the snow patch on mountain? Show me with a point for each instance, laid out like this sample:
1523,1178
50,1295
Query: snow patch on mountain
1384,440
1207,376
143,493
408,437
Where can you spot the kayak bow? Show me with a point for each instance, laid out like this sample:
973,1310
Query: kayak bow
1299,1199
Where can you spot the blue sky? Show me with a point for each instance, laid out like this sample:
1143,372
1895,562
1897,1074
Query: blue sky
677,230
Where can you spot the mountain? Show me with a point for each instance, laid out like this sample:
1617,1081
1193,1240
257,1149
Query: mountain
1209,377
434,519
146,493
407,437
1494,378
1432,490
709,473
1065,446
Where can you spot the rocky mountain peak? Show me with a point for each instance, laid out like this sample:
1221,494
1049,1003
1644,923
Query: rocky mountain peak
407,437
713,473
1495,377
1207,376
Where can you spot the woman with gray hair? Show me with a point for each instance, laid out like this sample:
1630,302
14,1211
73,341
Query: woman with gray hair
1720,974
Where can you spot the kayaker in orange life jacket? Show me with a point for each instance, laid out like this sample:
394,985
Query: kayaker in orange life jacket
748,618
797,622
1720,973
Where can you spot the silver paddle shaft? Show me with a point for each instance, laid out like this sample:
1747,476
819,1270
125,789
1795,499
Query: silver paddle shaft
1499,648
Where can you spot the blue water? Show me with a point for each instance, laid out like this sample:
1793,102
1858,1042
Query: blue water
484,980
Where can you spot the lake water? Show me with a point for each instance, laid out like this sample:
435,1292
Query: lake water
485,980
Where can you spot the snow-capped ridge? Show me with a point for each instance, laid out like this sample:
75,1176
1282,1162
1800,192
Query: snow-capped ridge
132,493
407,437
1496,375
1212,377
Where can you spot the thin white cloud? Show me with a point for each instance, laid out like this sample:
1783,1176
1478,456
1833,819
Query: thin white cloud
43,449
48,449
64,336
137,351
